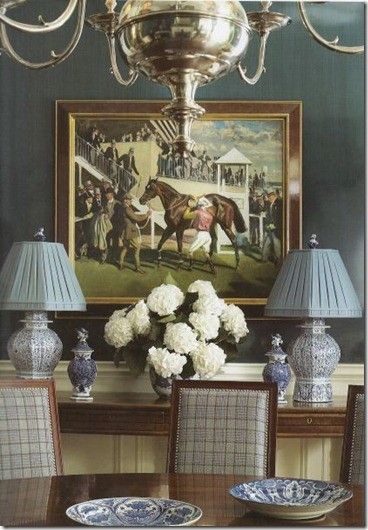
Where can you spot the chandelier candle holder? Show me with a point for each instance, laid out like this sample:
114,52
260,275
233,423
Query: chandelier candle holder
180,44
37,277
313,284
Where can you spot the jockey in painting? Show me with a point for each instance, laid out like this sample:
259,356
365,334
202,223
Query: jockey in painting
202,221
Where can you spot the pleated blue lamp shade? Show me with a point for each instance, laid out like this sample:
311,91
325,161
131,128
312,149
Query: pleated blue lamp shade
313,283
38,276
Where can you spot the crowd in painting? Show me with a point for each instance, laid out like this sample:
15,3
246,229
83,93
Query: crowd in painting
197,166
107,224
107,227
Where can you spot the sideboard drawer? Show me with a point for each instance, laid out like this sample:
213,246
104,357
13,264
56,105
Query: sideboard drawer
311,424
114,421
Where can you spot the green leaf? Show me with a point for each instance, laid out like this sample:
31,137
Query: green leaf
168,318
181,317
230,350
135,357
188,369
187,306
222,336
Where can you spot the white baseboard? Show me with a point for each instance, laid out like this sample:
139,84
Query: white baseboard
112,379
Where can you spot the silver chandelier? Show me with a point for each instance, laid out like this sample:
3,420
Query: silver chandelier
181,44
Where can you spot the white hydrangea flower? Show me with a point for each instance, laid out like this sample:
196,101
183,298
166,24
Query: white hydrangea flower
202,287
119,313
166,364
118,332
208,359
210,304
180,338
205,324
139,318
165,299
234,322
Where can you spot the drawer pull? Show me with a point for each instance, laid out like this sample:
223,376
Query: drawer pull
309,421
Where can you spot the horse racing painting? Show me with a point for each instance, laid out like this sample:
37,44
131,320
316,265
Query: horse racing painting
133,213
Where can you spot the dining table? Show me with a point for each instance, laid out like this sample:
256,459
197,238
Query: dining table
43,501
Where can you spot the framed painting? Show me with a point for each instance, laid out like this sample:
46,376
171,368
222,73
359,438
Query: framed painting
127,205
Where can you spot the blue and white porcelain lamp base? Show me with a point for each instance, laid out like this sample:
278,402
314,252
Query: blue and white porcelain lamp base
313,357
313,284
35,349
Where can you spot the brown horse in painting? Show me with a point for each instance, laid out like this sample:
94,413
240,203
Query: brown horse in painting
225,211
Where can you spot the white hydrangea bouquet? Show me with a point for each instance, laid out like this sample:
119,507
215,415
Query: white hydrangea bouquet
175,333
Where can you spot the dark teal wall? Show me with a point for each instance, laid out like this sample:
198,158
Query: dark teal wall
330,85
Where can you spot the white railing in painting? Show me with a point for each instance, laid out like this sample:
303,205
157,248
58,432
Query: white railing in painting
108,168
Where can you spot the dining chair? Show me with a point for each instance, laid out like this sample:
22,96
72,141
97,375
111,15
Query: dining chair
223,427
352,457
29,429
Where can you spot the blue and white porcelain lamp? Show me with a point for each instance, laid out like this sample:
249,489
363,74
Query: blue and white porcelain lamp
37,277
313,284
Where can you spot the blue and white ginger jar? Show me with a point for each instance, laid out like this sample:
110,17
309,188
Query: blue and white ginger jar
82,370
277,370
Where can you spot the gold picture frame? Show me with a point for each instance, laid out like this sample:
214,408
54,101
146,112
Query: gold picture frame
278,122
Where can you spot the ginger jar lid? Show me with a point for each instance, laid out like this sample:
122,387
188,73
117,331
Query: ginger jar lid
82,347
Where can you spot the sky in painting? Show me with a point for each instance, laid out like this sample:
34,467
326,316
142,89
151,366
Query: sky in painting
259,140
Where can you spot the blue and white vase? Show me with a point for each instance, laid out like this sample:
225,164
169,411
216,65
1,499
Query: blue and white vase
163,385
277,370
82,370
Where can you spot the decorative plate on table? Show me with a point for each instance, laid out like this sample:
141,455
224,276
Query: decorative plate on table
134,511
291,498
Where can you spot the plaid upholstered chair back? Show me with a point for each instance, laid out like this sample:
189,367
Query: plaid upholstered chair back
29,430
352,458
223,427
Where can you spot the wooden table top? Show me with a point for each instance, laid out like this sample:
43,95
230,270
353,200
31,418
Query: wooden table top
151,400
43,501
146,414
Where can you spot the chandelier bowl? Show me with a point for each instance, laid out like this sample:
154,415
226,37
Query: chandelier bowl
159,37
183,46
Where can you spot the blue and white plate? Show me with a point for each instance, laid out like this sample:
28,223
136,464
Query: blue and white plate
291,498
134,511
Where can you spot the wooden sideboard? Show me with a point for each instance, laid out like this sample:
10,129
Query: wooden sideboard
145,414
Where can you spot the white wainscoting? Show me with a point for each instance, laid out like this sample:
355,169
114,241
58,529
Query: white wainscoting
317,458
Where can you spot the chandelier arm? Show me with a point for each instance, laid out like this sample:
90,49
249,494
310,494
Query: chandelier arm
132,75
261,59
56,57
44,27
331,45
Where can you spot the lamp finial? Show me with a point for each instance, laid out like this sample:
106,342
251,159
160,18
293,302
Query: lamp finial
39,235
313,243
